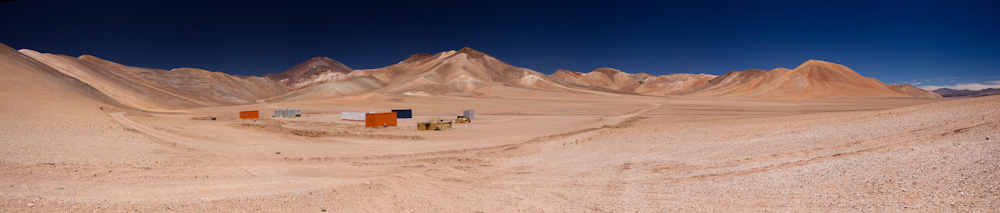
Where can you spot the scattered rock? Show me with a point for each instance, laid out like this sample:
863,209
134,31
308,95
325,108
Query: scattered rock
277,153
31,205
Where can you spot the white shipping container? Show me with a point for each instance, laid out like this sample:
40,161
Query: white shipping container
353,116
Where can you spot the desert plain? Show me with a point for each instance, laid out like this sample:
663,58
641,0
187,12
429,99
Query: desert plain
68,147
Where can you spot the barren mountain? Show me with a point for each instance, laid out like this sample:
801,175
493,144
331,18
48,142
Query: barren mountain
947,92
604,77
314,70
162,89
466,72
123,90
53,117
334,88
30,81
641,83
913,91
812,79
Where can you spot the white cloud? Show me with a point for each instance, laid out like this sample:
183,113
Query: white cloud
968,86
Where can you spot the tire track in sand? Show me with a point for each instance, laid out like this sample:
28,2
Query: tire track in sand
835,156
624,119
157,136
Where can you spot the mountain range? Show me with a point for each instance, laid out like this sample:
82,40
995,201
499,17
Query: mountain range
953,93
465,72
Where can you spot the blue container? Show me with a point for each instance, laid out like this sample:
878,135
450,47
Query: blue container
403,113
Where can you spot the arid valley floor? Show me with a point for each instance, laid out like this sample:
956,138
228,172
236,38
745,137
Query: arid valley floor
574,153
85,134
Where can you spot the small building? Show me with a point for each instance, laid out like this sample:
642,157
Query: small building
353,115
470,114
403,113
249,114
436,125
380,119
288,113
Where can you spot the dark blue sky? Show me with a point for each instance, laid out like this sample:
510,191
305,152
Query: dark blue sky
930,42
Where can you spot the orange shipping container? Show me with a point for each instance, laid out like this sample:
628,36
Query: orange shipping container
380,119
250,114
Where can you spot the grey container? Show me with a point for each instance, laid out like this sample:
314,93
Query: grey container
288,113
469,114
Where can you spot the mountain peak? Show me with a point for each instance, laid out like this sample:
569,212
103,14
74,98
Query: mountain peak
827,71
321,58
471,52
416,57
309,68
319,61
566,75
607,71
815,63
564,70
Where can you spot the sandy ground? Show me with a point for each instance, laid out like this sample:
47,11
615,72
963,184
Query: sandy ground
573,153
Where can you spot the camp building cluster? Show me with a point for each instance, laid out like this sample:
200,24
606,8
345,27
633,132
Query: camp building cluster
374,119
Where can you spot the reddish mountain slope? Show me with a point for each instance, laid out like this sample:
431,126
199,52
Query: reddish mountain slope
323,68
812,79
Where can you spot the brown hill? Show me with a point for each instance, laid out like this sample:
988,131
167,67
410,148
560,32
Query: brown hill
812,79
673,84
162,89
604,77
123,90
313,70
336,88
32,82
53,117
913,91
466,72
205,87
641,83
